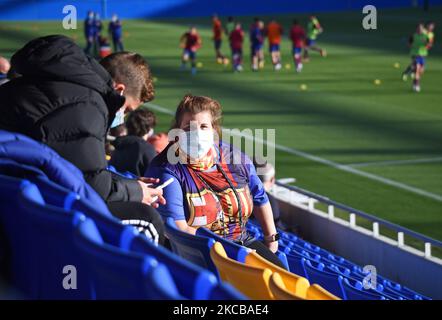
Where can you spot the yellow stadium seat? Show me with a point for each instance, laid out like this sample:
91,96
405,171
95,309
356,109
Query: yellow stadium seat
294,283
316,292
279,289
251,281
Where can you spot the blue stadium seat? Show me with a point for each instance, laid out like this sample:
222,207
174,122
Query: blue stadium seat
111,229
224,291
295,264
355,291
405,292
283,258
161,285
191,247
51,247
317,275
15,228
192,281
233,250
126,174
23,150
116,273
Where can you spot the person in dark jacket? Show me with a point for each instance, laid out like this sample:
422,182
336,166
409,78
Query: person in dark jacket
132,152
68,101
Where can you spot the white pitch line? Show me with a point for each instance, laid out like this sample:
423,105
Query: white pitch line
395,162
332,164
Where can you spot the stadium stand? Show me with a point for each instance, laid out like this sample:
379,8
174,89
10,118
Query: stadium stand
49,211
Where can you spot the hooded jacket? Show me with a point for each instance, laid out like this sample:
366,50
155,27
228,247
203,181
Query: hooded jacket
65,99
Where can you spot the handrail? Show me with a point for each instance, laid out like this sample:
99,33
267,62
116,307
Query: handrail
365,215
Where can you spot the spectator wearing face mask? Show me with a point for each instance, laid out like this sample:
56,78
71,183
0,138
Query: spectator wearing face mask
132,152
67,100
266,173
214,185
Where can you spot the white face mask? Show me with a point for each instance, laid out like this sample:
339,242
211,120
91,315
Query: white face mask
119,118
196,143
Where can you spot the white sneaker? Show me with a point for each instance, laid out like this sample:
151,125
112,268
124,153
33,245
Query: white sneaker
299,68
239,68
278,66
416,88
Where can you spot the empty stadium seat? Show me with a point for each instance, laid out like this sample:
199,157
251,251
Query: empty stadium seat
25,151
192,281
14,229
161,284
116,273
283,258
355,291
317,275
41,242
241,276
279,290
294,283
224,291
51,238
191,247
234,251
111,229
316,292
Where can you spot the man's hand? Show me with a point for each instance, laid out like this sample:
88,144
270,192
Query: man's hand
149,195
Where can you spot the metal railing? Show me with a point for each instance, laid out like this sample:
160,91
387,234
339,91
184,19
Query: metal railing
376,221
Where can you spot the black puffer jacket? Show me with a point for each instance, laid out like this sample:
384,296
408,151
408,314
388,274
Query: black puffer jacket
65,99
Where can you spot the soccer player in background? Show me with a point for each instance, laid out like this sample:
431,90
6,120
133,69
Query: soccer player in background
419,44
256,44
297,35
217,39
429,31
116,32
190,42
236,41
89,31
314,28
274,32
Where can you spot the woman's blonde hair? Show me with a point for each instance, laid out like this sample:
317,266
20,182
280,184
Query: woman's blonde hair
196,104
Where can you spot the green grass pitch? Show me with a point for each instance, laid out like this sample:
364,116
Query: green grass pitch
343,119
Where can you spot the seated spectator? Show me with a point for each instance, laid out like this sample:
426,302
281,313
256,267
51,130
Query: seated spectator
67,100
210,189
267,177
118,131
105,47
4,69
132,152
159,141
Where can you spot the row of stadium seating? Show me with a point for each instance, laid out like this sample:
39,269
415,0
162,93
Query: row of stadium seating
112,261
341,277
50,213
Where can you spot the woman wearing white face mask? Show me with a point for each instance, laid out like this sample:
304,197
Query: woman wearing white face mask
210,188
